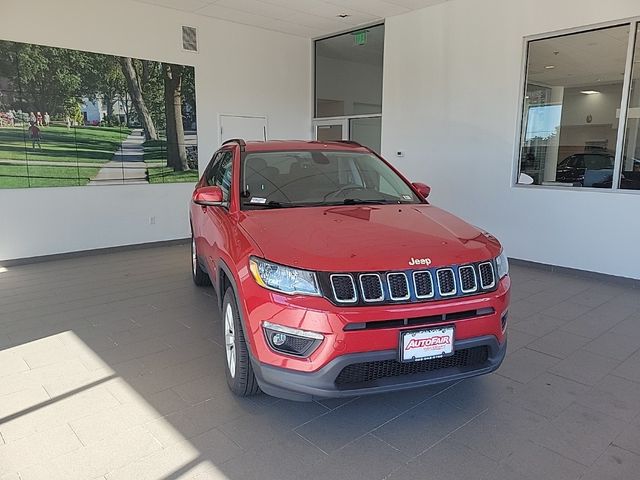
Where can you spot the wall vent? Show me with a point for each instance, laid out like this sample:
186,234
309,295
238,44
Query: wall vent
189,39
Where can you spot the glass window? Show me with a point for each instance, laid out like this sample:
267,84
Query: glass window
222,176
349,73
630,171
367,131
573,94
312,178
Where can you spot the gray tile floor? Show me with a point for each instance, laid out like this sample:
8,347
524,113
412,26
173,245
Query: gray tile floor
111,367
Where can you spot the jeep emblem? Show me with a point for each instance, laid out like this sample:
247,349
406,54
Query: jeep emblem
419,261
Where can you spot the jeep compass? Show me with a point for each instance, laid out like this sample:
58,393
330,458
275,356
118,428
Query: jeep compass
336,277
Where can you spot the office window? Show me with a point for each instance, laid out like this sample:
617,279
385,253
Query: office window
573,96
630,169
348,73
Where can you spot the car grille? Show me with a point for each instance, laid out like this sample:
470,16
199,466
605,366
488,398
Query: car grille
408,286
343,287
398,286
362,373
371,286
487,278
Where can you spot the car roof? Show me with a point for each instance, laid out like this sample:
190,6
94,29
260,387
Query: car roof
293,145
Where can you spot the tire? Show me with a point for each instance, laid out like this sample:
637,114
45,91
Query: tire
238,369
200,277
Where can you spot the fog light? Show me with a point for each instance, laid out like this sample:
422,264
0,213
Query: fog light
291,341
278,339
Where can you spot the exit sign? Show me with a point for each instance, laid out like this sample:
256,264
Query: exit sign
360,38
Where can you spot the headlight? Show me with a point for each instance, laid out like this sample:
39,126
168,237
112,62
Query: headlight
502,263
283,279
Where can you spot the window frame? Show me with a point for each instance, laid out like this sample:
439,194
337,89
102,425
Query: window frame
634,37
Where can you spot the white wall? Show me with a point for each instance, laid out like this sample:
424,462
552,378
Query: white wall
452,80
239,70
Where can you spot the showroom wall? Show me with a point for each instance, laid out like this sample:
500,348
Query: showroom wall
452,81
235,66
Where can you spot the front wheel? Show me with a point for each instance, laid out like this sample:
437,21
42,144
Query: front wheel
239,371
200,277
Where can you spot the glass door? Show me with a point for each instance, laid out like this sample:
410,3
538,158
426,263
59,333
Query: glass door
331,130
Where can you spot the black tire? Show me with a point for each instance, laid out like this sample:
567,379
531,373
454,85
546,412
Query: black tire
200,277
242,380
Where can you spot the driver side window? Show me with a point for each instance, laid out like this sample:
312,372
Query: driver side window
222,175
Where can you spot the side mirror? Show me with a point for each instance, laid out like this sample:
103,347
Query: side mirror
208,196
423,189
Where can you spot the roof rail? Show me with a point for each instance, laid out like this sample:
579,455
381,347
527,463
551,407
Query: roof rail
350,142
239,141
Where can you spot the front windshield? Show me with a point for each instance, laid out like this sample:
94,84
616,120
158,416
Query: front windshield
308,178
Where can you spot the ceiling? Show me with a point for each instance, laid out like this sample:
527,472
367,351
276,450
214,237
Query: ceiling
304,18
581,60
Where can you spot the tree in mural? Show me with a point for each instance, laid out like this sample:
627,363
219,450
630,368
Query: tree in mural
176,148
135,92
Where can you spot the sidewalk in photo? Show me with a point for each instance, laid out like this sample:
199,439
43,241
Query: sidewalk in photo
127,165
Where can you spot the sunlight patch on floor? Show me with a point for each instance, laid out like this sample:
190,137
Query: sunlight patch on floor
65,413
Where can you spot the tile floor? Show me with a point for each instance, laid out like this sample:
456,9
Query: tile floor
111,368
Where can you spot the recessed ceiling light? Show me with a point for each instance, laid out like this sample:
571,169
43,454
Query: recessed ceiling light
590,92
343,15
549,67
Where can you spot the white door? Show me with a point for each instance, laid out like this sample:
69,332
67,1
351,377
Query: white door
246,127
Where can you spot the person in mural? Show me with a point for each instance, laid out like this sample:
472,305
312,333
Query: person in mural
47,119
38,119
32,117
11,118
68,122
34,133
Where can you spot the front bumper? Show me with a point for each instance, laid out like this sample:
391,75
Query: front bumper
305,386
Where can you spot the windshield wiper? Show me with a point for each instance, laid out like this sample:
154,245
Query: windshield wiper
269,204
359,201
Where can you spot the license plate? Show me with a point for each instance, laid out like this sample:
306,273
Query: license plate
424,344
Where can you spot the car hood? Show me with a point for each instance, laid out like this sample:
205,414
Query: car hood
365,237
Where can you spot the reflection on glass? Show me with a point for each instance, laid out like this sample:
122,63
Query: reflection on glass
366,131
349,73
328,133
630,172
570,116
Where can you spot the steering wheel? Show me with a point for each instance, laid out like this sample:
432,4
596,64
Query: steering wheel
343,189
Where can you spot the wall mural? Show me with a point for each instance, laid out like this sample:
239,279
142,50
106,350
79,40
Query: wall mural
70,118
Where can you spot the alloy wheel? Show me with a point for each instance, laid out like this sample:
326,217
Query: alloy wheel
230,340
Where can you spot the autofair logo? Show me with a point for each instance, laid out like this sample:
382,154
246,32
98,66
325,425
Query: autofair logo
437,341
419,261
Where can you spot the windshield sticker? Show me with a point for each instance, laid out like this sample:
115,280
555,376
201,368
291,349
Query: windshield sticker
406,197
258,200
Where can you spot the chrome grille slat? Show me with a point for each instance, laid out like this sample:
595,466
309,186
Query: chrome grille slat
398,286
371,283
423,284
487,275
344,289
446,282
468,279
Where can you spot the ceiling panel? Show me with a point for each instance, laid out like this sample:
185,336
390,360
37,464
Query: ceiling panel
305,18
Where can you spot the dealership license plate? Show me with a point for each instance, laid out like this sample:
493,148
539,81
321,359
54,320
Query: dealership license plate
424,344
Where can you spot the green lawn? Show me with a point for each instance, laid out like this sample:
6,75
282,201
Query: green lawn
81,144
155,156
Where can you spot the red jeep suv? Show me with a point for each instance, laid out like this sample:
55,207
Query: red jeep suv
336,277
